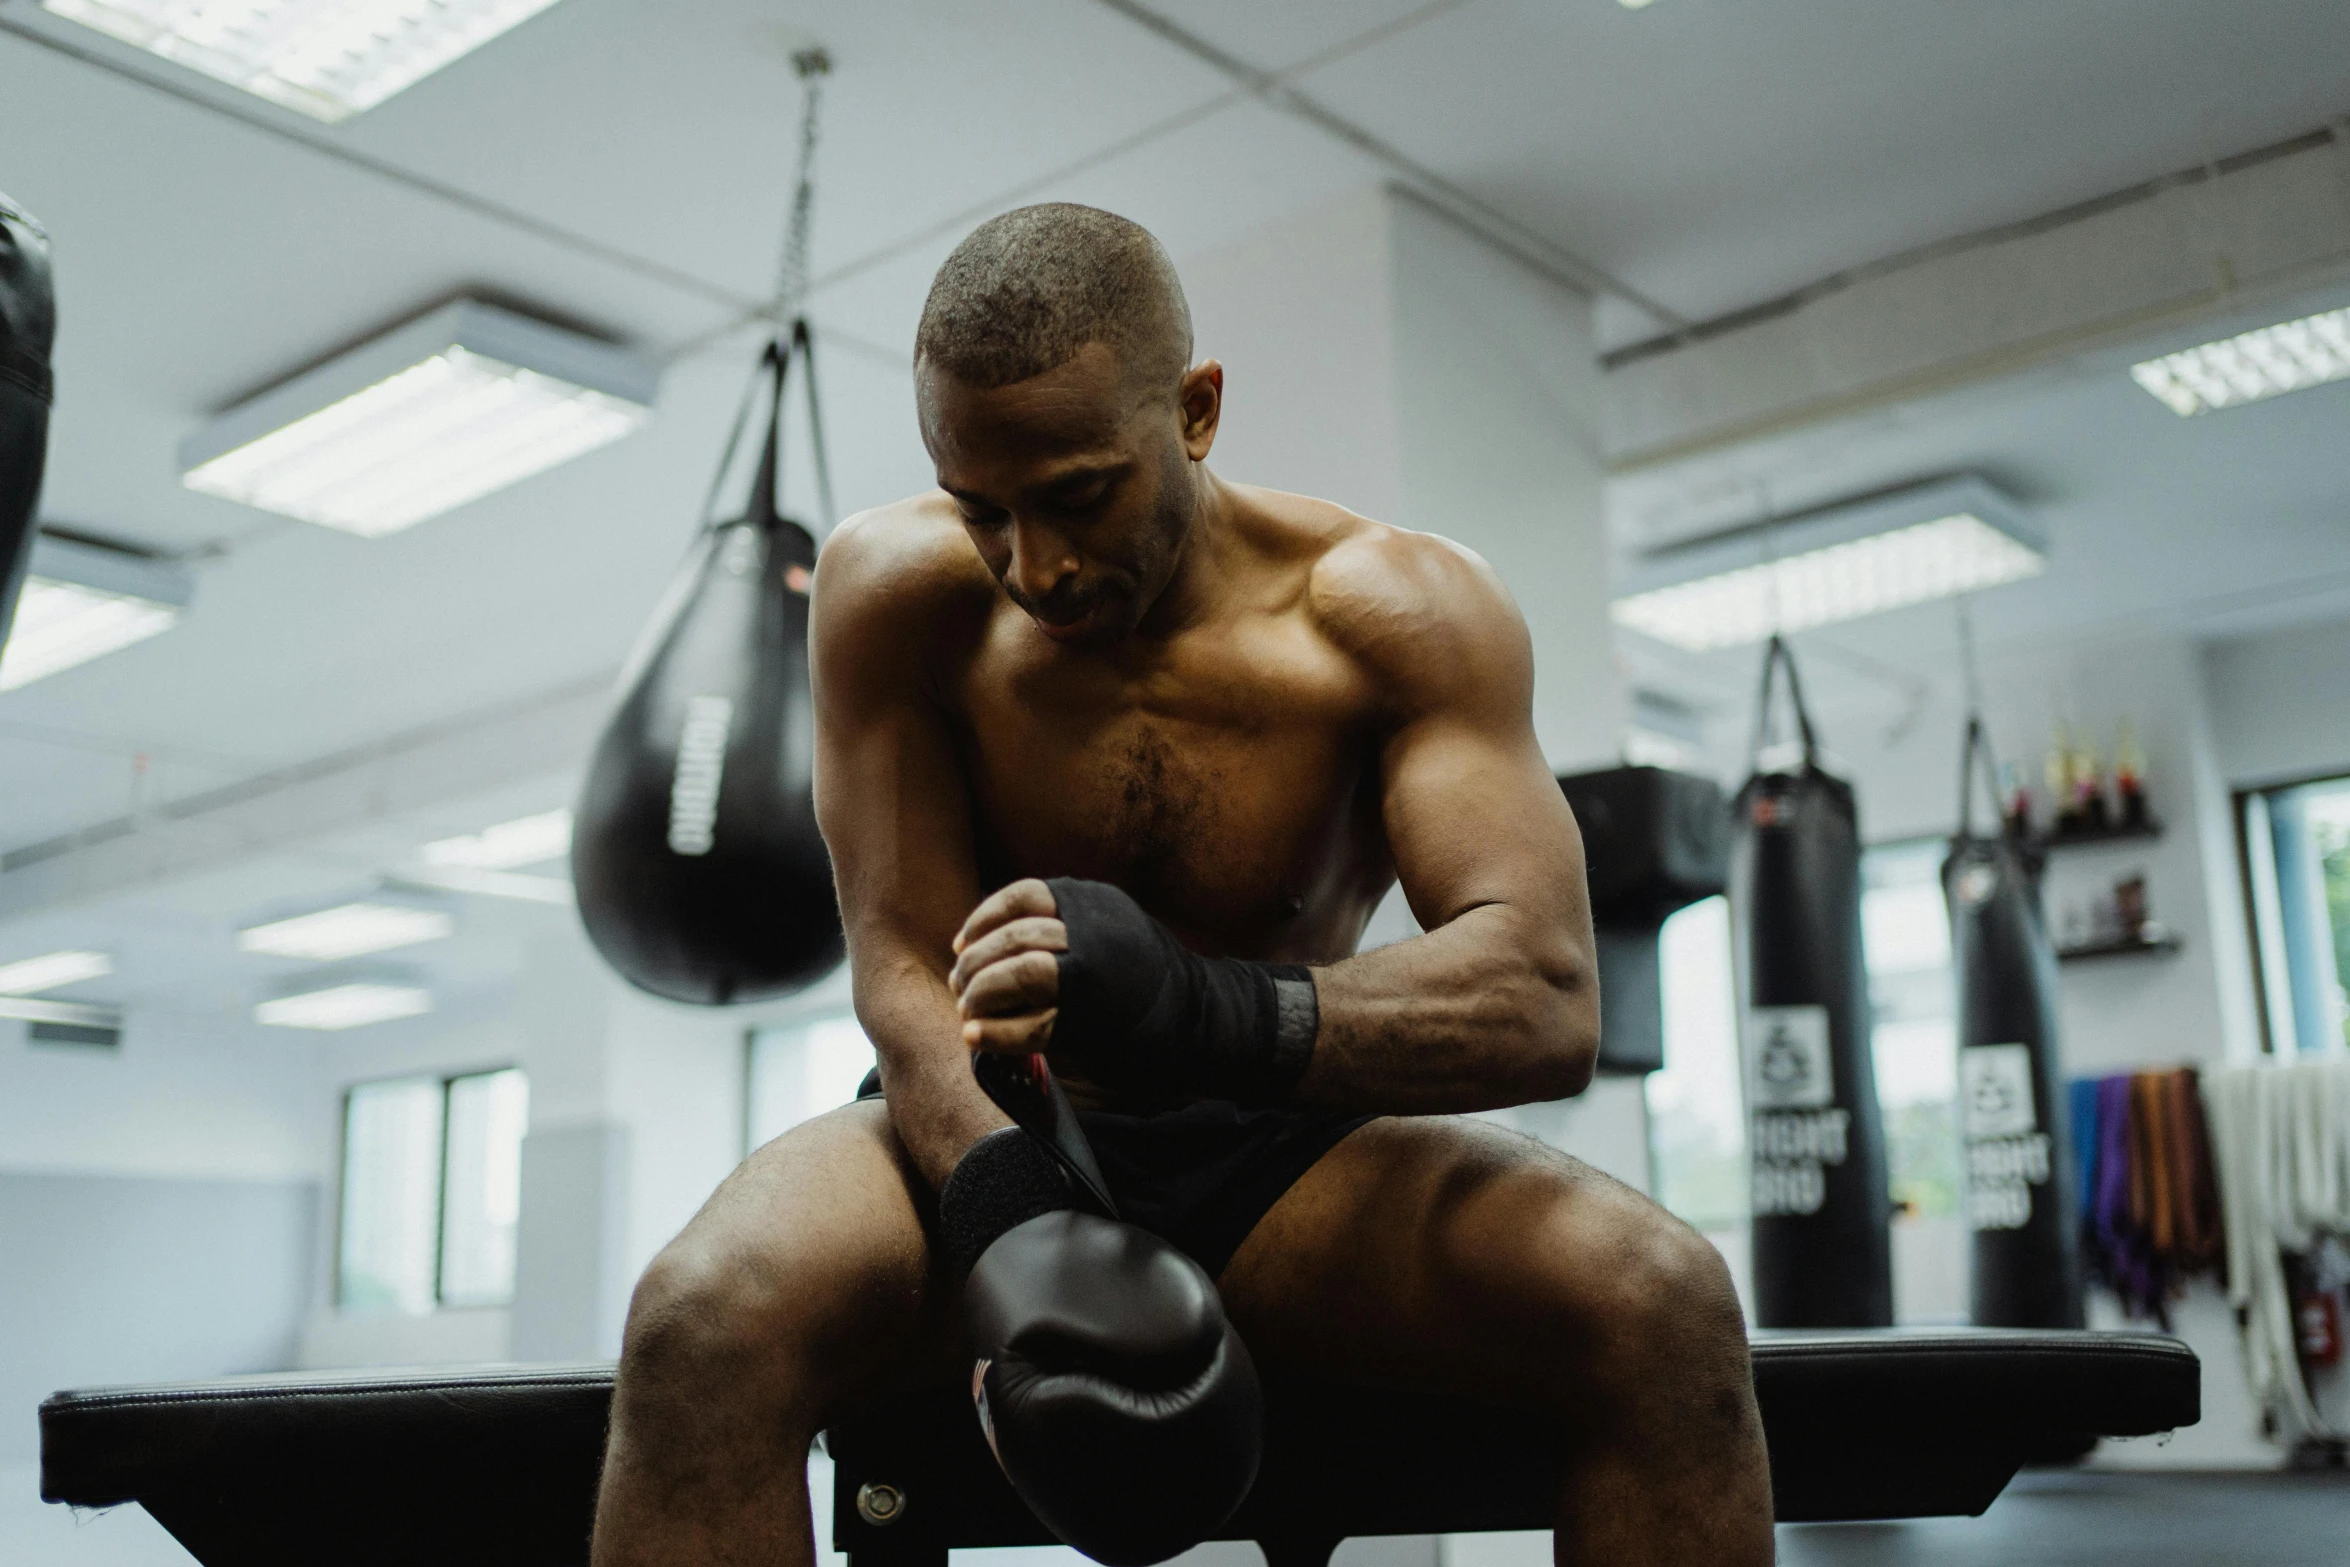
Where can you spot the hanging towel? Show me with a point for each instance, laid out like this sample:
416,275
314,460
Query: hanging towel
2081,1098
2149,1201
2281,1144
2192,1179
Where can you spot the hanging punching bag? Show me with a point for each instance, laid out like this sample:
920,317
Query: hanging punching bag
2022,1201
1822,1209
28,320
700,873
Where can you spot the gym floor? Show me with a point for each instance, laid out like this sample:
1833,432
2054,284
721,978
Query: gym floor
2145,1520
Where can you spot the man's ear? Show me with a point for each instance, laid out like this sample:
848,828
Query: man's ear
1200,405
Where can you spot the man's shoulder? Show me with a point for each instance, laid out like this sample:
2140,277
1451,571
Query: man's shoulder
1382,591
1425,618
909,557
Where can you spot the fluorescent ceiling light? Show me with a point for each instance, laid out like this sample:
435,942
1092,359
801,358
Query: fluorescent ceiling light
1837,564
444,410
82,601
2252,365
30,976
350,931
328,58
73,1014
344,1006
492,884
527,840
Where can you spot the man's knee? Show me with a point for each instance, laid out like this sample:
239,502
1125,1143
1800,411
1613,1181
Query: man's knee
774,1295
700,1322
1664,1311
1638,1290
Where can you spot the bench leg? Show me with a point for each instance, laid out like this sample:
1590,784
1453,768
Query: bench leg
1298,1550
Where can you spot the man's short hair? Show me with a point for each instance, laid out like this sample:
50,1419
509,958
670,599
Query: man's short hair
1026,290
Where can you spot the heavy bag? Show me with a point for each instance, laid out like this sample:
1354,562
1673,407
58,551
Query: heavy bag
700,873
1654,842
2022,1198
28,321
1822,1208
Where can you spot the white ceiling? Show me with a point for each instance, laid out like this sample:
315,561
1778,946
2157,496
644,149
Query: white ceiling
607,165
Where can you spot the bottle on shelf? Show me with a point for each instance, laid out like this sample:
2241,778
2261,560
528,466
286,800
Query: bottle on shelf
2015,802
2089,785
2129,777
2063,797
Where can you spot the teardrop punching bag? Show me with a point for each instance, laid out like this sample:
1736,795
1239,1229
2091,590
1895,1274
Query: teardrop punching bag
28,321
1822,1209
2022,1200
700,872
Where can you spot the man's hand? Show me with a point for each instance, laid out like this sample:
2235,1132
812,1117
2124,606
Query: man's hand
1007,973
1079,968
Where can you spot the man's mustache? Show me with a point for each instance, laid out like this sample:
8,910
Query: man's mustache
1059,609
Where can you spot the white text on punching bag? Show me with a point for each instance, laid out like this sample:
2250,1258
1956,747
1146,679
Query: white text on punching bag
701,763
1791,1152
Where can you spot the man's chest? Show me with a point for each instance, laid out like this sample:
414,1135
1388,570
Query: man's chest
1226,785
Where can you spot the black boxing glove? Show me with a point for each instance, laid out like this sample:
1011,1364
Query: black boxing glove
1120,1402
1142,1013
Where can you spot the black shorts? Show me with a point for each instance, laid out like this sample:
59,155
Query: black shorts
1202,1176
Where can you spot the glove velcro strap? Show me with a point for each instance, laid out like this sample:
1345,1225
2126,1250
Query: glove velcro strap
1004,1180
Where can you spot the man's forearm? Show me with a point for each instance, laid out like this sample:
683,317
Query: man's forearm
1476,1014
935,1105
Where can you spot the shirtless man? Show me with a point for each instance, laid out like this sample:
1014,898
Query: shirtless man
1086,655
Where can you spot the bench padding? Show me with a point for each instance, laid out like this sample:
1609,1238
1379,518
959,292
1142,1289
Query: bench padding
498,1465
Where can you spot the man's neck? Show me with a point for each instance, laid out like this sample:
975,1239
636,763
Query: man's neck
1203,570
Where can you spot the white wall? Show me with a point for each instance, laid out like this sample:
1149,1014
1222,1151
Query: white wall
1297,314
182,1096
1498,401
2280,703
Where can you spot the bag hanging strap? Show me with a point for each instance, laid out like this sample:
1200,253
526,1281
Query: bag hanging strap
1977,750
774,372
1776,655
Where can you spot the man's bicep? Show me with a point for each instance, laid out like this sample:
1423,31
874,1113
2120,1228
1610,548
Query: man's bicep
889,790
1472,813
1474,817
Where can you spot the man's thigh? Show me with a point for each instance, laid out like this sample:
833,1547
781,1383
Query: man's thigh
1452,1255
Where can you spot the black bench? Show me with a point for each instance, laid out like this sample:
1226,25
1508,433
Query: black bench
497,1468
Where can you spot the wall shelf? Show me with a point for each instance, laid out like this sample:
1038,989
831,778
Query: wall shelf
2136,946
2080,836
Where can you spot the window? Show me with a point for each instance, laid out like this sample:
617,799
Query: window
432,1190
1905,931
1697,1125
2297,850
802,1069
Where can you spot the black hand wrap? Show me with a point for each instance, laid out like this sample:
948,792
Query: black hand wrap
1141,1013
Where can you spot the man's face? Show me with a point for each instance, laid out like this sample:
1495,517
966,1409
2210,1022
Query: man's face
1075,488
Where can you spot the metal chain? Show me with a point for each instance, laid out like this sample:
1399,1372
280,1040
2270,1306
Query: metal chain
791,292
791,283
